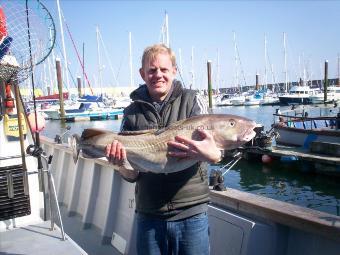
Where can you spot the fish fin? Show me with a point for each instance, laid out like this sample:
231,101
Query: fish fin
75,147
91,132
139,132
128,174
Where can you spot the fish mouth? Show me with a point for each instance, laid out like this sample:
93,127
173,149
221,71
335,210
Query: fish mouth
249,133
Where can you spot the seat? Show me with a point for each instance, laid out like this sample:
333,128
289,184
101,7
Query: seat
299,124
319,123
308,124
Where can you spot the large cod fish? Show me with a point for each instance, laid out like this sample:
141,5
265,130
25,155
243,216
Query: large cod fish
147,150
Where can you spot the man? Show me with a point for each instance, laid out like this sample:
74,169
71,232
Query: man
171,208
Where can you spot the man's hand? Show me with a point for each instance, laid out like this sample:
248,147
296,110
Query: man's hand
115,153
204,150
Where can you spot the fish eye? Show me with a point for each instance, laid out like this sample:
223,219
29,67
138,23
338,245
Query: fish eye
232,122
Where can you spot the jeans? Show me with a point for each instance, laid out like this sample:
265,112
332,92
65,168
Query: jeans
183,237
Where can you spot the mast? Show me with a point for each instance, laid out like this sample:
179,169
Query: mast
338,83
218,73
304,70
180,67
130,61
63,44
237,85
83,67
53,77
108,59
100,69
167,29
265,62
285,62
273,77
300,73
192,85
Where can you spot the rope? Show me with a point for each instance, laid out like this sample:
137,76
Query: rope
78,56
230,164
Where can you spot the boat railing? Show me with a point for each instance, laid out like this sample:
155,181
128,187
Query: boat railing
305,122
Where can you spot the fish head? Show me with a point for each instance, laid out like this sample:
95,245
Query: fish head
231,131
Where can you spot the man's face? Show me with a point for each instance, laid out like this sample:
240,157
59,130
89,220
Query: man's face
158,74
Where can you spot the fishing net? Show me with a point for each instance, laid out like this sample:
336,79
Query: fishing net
27,36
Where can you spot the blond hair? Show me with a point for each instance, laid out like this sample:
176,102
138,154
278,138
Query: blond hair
152,51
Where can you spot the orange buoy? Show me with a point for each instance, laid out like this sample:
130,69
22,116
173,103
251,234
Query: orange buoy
266,159
40,122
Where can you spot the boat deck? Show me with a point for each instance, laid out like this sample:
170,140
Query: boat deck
37,240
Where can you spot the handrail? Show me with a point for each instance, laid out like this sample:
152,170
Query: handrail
306,118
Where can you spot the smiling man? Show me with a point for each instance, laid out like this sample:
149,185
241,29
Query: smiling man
171,208
158,71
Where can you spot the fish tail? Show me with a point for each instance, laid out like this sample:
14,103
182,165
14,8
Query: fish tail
75,140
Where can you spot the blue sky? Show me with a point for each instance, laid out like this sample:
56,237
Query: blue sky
312,29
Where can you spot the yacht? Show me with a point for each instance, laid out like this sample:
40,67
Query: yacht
238,100
224,100
254,99
298,95
333,95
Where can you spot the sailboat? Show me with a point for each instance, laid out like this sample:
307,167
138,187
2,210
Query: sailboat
239,98
297,94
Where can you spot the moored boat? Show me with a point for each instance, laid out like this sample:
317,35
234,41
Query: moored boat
298,95
333,95
300,127
52,97
224,100
238,100
254,99
86,110
270,99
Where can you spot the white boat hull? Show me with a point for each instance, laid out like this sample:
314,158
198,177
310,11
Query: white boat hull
303,137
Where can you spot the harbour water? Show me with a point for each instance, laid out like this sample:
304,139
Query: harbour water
290,182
